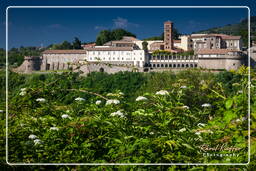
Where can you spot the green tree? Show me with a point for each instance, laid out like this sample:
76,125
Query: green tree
145,46
77,43
108,35
66,45
103,37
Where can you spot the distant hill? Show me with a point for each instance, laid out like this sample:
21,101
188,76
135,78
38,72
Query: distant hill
235,29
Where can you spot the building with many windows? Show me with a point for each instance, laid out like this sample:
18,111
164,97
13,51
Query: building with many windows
212,51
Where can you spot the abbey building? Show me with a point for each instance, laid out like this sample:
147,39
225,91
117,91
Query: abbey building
211,51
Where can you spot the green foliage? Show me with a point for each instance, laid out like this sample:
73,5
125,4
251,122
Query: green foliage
145,46
76,44
16,55
159,129
164,52
109,35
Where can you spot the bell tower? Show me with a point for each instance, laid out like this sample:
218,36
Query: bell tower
168,40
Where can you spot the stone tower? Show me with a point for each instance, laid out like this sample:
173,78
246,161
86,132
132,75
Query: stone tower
168,40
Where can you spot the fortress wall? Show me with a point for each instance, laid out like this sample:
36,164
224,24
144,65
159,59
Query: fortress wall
220,63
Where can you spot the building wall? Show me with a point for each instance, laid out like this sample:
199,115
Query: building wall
137,57
59,61
221,63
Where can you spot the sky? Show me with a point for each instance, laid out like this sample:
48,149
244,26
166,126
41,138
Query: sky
45,26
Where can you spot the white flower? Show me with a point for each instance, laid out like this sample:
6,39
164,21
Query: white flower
22,93
79,99
183,87
98,102
202,82
40,100
240,91
162,92
32,136
65,116
198,133
182,130
23,89
141,98
238,120
37,141
54,128
1,111
185,107
201,125
151,133
112,101
121,93
117,113
206,105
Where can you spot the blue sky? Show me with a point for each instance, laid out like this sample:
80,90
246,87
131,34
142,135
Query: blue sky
33,27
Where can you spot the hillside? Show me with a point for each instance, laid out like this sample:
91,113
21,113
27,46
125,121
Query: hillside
235,29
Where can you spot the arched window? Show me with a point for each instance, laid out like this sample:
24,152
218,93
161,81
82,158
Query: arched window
170,65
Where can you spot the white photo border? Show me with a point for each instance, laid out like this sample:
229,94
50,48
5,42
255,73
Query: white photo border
147,164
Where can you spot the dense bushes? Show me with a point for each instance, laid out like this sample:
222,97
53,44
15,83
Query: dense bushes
75,120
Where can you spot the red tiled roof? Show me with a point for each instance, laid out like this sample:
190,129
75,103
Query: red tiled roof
110,49
75,51
223,36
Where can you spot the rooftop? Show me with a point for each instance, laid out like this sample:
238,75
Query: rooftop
110,49
72,51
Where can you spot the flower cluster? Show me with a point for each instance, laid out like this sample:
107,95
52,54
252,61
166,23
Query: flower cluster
98,102
79,99
162,92
117,113
141,98
65,116
40,100
112,101
23,92
54,128
206,105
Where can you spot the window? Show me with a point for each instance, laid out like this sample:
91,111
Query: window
170,65
154,65
166,65
157,65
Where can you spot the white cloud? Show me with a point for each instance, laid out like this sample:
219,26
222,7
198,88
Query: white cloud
123,23
100,28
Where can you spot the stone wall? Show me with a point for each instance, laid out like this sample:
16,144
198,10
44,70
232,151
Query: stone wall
108,67
220,63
